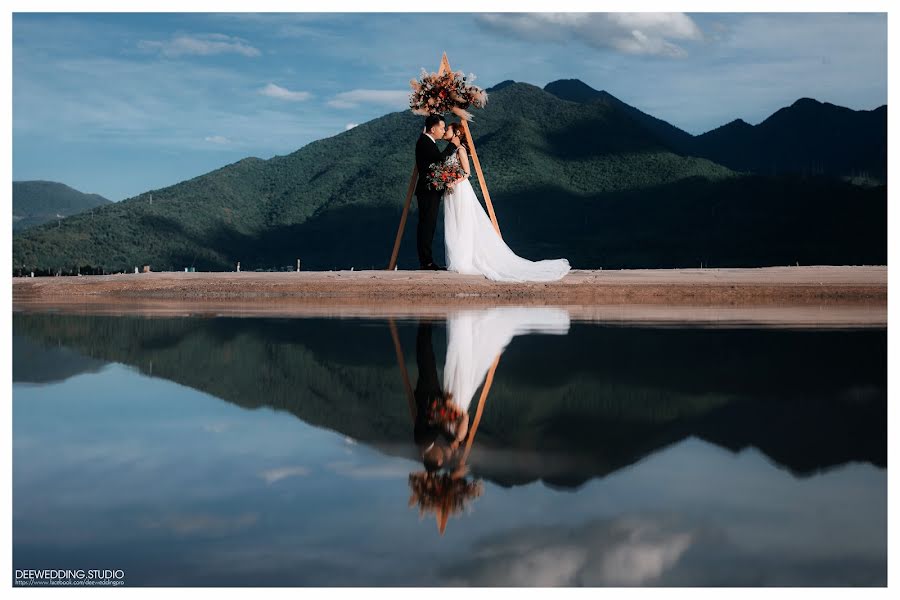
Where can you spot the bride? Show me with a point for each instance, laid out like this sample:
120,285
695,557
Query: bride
472,245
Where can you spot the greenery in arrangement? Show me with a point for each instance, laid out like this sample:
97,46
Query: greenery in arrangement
584,180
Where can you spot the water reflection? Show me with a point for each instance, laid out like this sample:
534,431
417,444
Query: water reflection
592,454
475,342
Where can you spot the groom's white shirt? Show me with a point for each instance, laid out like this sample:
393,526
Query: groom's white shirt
431,138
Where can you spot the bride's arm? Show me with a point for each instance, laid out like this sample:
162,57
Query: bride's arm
464,160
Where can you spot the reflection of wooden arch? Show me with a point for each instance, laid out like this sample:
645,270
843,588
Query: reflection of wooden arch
442,516
410,395
444,68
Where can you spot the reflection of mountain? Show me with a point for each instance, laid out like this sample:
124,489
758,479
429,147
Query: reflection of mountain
562,409
42,363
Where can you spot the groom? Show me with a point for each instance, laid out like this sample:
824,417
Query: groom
429,200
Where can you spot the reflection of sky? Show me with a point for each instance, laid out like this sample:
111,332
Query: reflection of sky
118,470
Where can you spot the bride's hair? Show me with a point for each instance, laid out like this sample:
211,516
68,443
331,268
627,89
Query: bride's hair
463,138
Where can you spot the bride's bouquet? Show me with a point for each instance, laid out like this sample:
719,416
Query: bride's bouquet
439,94
443,411
440,175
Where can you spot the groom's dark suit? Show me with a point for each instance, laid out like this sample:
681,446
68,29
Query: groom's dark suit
428,387
429,200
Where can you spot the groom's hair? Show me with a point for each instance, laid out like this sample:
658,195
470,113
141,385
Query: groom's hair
432,120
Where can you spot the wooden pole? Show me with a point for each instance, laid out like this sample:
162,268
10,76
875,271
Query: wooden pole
477,164
488,381
445,67
409,195
410,395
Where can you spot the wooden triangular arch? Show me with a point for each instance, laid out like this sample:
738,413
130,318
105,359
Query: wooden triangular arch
444,68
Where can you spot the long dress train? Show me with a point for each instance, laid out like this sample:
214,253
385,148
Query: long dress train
474,248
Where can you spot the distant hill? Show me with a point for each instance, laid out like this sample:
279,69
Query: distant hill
36,202
808,137
582,180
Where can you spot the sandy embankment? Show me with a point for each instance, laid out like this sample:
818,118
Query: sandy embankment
801,295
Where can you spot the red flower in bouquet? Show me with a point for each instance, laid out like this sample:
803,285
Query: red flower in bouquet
444,411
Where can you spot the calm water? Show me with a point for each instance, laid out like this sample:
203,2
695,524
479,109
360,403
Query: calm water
266,451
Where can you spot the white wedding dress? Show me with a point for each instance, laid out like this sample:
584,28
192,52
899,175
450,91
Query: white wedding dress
474,248
476,337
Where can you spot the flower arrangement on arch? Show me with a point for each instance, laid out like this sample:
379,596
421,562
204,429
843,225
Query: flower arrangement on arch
435,94
435,492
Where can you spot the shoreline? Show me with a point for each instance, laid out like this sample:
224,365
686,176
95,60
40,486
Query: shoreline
801,296
853,284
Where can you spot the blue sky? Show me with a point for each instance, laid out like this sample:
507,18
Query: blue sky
118,104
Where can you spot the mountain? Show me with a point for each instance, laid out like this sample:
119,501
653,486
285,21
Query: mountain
36,202
809,137
584,181
575,90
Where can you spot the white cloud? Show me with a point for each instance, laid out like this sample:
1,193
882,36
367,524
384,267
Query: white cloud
755,64
136,103
625,551
629,33
353,98
200,45
276,91
272,475
350,126
217,139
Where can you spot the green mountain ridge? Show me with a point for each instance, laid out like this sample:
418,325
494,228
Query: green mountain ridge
580,180
36,202
578,91
806,137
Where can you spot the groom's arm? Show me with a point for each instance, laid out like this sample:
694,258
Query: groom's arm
449,150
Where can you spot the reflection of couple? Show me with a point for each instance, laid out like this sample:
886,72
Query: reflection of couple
472,245
475,340
438,438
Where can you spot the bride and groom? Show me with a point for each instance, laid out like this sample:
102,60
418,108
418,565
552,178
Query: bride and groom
472,245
